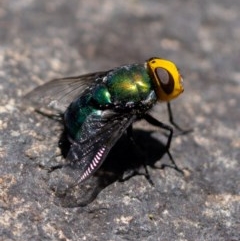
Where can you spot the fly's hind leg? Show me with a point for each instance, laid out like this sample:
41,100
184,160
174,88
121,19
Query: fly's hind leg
131,138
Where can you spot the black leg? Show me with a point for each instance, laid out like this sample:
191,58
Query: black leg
171,120
157,123
57,116
170,115
130,134
53,168
131,138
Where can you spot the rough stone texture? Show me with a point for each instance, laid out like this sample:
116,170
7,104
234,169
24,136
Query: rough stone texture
41,40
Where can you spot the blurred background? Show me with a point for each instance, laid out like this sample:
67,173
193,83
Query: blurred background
41,40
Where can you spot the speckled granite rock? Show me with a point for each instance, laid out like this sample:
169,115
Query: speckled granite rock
41,40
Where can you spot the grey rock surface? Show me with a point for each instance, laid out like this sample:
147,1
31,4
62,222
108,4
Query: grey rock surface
41,40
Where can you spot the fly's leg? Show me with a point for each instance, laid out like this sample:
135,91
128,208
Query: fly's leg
51,168
131,138
159,124
53,116
170,116
171,120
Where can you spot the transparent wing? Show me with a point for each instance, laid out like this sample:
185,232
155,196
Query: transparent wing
89,153
59,93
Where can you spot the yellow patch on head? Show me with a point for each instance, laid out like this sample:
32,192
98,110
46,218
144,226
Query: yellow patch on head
166,77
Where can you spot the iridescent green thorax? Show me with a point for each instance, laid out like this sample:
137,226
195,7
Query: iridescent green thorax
129,84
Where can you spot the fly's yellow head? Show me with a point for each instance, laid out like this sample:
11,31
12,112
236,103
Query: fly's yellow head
167,79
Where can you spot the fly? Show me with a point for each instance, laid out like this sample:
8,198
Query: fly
101,106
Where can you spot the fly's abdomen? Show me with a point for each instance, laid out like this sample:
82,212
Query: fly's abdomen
77,114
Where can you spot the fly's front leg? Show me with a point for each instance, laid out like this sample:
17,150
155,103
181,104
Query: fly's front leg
171,120
170,116
159,124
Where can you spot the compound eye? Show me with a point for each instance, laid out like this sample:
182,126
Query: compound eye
165,79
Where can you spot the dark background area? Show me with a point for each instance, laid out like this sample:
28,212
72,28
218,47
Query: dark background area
41,40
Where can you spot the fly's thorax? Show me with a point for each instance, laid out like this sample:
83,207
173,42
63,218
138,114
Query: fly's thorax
130,83
168,83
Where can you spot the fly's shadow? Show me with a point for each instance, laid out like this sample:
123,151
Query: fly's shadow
124,161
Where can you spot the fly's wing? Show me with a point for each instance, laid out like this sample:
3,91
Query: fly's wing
59,93
99,136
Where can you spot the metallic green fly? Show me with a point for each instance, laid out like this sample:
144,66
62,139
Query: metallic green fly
101,106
